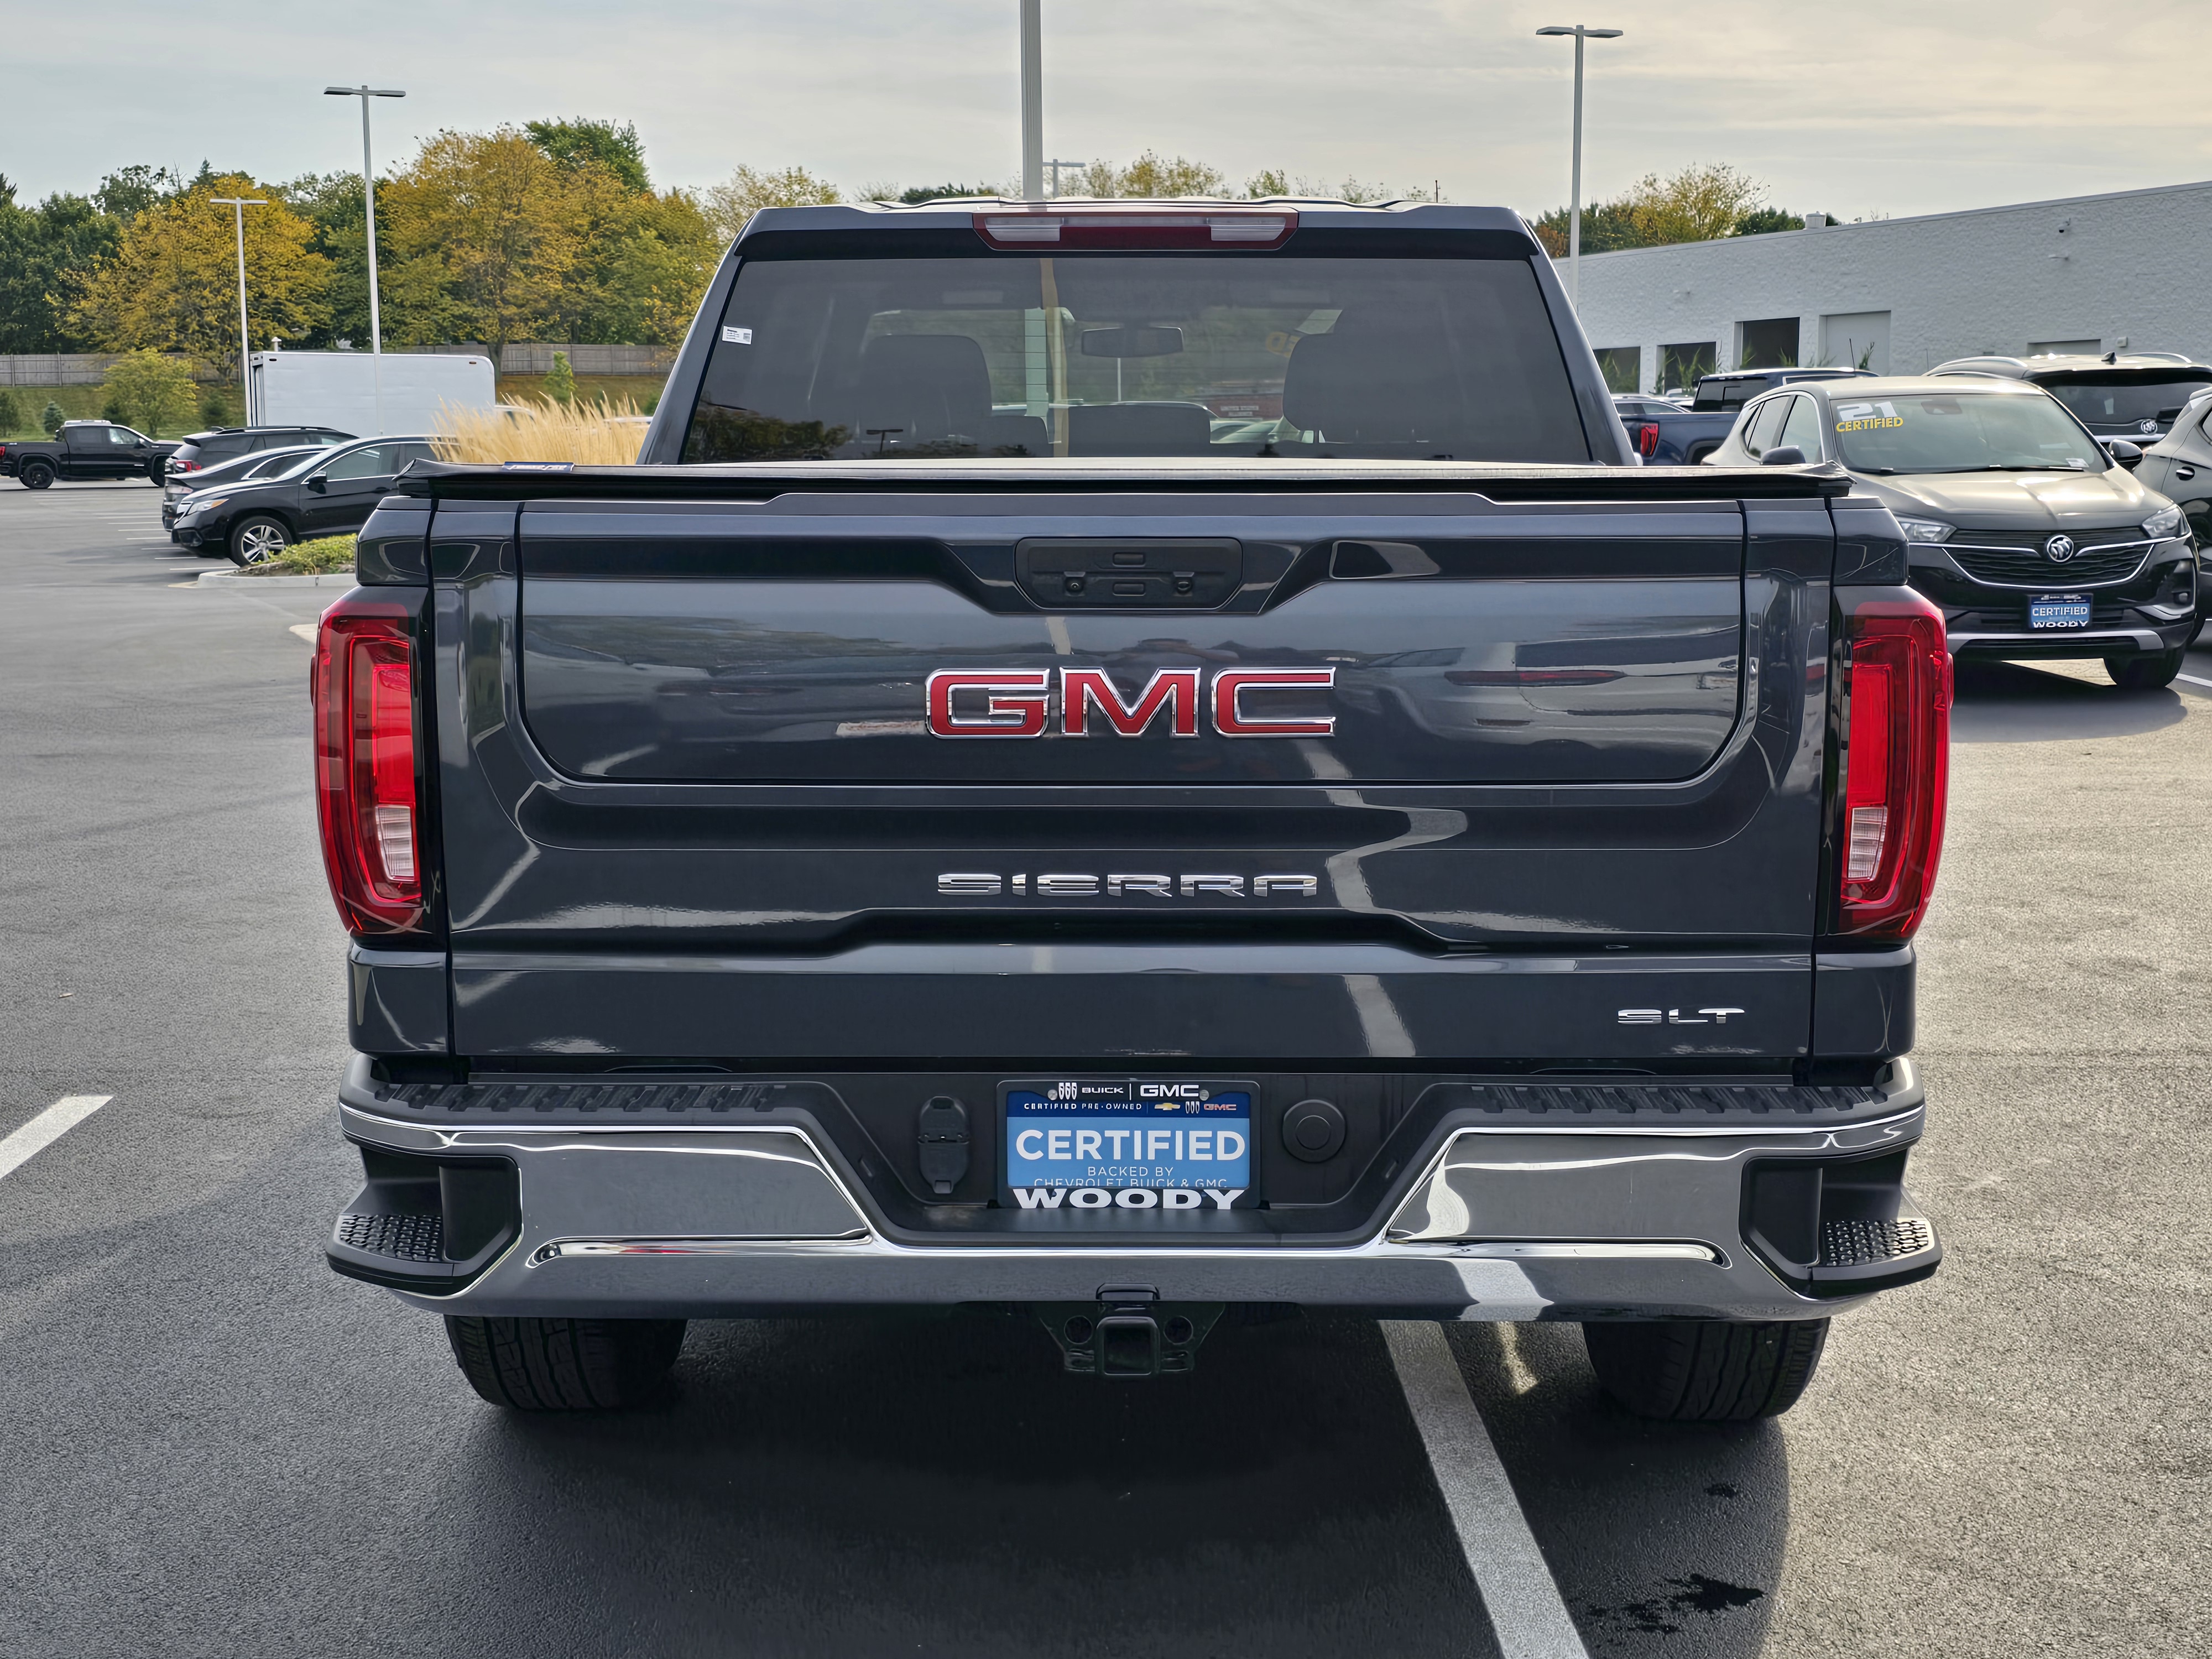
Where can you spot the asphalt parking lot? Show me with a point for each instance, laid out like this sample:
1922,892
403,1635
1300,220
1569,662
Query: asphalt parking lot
211,1445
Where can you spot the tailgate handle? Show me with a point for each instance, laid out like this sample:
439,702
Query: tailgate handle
1140,573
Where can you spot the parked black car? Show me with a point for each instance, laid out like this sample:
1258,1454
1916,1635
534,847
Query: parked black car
2137,396
265,464
262,517
202,450
86,449
2034,541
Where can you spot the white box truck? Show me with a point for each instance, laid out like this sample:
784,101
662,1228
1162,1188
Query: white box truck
396,392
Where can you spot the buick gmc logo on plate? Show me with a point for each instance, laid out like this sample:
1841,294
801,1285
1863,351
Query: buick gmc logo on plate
1018,703
1129,1146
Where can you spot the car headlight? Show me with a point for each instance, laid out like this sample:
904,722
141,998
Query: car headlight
201,506
1925,530
2167,521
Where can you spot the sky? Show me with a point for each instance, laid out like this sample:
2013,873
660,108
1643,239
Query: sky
1877,107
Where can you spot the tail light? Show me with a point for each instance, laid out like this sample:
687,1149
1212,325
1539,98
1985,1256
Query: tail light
1897,738
1647,439
367,790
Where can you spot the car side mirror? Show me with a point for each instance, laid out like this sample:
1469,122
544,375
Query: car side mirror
317,485
2127,454
1782,455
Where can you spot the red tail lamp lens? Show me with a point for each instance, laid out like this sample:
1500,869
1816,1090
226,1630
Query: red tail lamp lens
1647,439
367,795
1896,767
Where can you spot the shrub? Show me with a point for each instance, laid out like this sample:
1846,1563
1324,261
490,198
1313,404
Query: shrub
51,417
561,382
319,557
214,411
596,434
11,413
113,411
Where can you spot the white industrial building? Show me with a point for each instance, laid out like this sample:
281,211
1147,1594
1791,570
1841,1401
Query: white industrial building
2131,271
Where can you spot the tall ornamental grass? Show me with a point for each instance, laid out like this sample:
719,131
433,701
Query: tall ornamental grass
589,435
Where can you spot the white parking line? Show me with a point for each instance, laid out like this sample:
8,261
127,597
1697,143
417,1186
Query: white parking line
2195,680
1530,1619
305,630
50,1126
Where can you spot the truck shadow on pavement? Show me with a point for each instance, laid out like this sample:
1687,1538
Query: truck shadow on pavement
1664,1538
937,1485
2011,702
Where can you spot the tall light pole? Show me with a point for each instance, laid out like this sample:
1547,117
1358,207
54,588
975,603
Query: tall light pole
1575,213
237,204
1032,102
365,91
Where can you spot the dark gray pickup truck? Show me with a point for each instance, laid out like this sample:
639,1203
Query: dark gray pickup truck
969,823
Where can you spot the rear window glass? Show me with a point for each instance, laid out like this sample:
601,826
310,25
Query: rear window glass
1011,357
2126,401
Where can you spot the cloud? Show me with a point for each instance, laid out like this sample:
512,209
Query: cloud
1884,106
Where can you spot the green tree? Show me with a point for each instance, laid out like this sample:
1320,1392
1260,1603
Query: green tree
1761,221
152,390
129,191
915,195
215,410
1149,176
330,203
51,418
11,414
1698,204
729,204
172,283
561,381
43,252
578,143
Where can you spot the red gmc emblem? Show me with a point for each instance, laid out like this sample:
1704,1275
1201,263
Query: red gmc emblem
1018,702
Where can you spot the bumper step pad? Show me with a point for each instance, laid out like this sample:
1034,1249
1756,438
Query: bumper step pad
1862,1244
402,1237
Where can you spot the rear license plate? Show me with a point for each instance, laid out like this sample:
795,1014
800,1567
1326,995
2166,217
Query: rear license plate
2059,611
1128,1145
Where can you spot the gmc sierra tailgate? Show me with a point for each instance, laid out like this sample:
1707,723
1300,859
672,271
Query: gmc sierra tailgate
1468,770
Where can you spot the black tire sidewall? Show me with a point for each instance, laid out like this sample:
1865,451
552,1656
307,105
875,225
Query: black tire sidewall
37,475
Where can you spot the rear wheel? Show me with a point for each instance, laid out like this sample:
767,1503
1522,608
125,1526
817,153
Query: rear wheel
1707,1372
258,539
564,1364
2147,670
36,475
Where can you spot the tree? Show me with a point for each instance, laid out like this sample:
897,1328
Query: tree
1149,176
43,252
1698,204
729,204
331,202
482,238
915,195
152,390
11,414
129,191
172,283
52,419
561,382
576,143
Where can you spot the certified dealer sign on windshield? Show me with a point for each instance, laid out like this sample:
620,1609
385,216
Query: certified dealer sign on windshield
1129,1146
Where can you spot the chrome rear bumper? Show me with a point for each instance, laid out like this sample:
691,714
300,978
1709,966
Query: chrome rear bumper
1508,1222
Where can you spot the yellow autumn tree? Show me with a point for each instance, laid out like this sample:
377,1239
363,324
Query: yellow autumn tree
1149,175
172,283
729,204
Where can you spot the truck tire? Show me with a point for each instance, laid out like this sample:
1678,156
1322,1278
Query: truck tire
1705,1370
36,475
564,1364
2145,670
257,538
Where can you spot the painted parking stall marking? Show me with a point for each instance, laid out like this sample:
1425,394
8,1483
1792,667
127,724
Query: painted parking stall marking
48,1127
1527,1613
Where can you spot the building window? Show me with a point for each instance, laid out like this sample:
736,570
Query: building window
1770,342
1682,367
1620,365
2065,348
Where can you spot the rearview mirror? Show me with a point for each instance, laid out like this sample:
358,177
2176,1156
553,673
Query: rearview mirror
1162,341
317,485
2127,454
1782,455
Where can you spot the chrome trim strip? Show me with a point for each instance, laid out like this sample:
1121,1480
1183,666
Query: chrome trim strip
2142,638
1533,1250
561,1247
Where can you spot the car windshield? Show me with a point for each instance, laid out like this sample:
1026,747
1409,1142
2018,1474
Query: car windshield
1953,432
1015,357
2128,402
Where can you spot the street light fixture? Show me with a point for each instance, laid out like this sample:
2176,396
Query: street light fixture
1575,212
368,200
237,204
